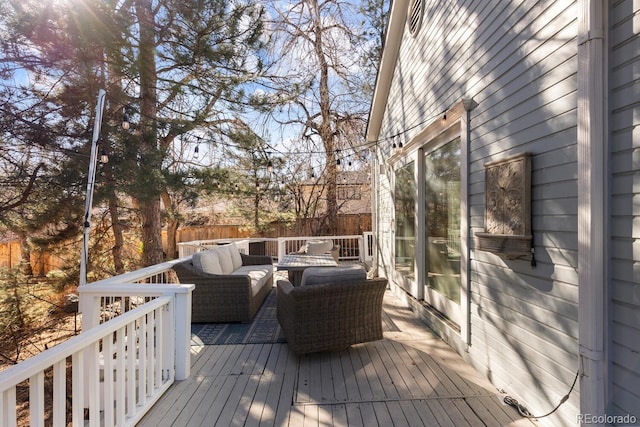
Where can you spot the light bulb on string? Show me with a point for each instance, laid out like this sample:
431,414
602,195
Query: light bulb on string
126,119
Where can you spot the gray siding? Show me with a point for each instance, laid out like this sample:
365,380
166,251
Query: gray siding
624,267
517,59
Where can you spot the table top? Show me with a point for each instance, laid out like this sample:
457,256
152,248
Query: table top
293,261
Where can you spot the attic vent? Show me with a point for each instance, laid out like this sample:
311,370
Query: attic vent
416,10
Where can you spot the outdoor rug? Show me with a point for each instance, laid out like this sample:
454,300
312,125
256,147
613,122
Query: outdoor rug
263,329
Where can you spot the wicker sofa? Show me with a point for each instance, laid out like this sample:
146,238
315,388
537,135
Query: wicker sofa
332,315
226,292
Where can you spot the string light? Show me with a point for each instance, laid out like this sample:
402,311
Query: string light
126,119
104,158
443,118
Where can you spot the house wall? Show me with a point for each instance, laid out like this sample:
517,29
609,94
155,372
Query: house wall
624,184
517,60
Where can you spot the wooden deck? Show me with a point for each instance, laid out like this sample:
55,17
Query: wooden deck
410,378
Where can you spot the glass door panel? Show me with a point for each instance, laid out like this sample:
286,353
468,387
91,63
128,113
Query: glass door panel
442,233
405,210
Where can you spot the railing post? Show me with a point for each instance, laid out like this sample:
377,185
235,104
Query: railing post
183,332
281,248
361,249
181,250
169,342
89,306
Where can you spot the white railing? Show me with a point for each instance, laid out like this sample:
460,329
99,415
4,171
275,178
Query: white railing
136,330
352,248
119,365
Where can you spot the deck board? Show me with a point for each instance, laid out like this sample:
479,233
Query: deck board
409,378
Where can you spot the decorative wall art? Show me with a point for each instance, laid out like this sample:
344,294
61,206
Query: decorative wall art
507,208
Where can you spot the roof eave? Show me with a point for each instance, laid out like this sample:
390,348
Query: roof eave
393,39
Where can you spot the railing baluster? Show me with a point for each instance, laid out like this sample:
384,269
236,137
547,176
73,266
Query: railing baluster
8,408
142,357
159,345
94,383
151,360
77,387
36,400
107,380
131,367
60,393
121,375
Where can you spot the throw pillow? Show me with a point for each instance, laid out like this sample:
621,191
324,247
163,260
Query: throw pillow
224,256
209,262
319,247
320,275
195,260
236,259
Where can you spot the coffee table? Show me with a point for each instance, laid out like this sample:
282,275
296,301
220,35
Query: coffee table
295,264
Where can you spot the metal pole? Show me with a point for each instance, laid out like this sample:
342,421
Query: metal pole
91,178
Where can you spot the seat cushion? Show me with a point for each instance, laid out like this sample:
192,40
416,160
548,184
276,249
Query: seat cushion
258,274
320,275
319,247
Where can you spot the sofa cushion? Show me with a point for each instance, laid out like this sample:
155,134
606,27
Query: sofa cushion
320,275
207,262
258,274
319,247
225,259
235,255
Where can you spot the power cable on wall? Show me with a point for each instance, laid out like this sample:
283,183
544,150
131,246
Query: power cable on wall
525,412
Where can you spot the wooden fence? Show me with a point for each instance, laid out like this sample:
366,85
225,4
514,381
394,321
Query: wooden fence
42,262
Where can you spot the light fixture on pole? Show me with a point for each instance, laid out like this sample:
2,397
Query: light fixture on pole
91,179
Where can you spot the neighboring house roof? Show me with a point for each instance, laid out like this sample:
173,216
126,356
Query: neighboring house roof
353,191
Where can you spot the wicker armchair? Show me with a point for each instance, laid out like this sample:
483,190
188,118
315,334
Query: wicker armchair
222,297
330,316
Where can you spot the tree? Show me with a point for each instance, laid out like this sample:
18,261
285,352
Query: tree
319,86
174,67
256,171
375,15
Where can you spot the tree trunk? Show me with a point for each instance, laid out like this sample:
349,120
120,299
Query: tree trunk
150,158
325,128
173,222
118,239
151,232
25,257
256,211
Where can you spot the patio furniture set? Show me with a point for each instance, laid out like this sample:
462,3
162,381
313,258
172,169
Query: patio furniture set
322,307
